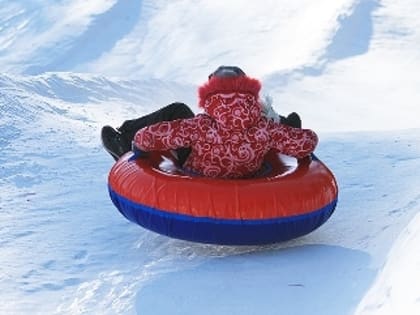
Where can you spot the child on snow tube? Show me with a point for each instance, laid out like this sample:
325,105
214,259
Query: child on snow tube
230,139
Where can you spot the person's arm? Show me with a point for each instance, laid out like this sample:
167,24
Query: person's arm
166,135
295,142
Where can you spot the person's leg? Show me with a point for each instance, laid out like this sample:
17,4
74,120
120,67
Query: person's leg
118,142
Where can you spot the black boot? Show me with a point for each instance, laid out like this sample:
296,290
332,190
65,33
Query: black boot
115,142
292,120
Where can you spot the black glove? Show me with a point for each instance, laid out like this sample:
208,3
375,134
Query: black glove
292,120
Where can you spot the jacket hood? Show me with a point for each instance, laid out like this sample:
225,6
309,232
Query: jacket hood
232,101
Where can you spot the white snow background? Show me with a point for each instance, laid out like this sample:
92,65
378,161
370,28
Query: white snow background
349,67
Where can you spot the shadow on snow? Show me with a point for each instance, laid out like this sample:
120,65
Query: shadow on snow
101,36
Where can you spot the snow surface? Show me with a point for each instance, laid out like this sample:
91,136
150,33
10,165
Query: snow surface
350,68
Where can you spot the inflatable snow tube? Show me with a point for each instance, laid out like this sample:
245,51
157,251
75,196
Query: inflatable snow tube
288,199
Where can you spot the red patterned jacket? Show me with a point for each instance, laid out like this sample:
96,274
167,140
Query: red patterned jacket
232,137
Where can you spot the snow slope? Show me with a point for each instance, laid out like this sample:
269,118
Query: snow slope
66,250
395,291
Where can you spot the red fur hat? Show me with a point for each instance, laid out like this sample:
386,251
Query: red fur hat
230,84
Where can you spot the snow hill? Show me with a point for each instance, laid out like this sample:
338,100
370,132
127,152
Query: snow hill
69,67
